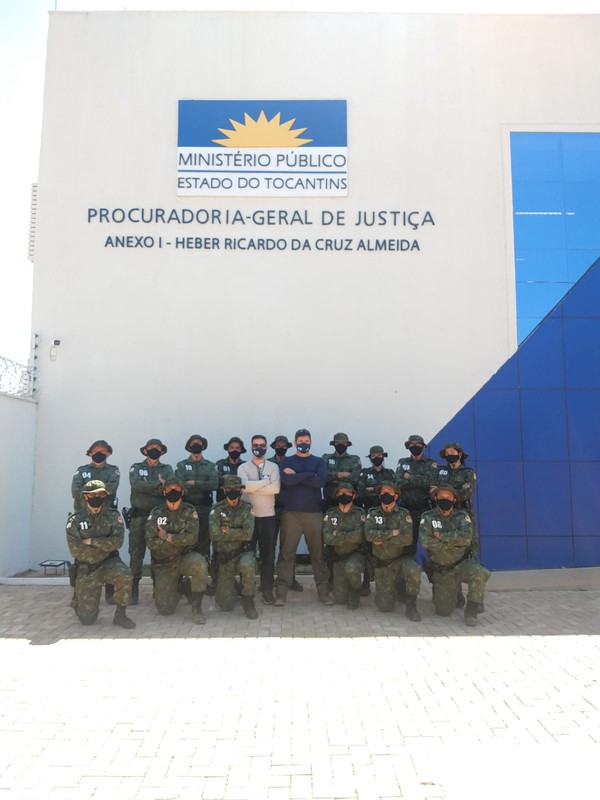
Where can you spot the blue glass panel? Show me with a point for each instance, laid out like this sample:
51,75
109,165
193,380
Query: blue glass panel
550,552
504,552
584,299
536,156
585,496
544,432
579,261
580,156
533,231
525,325
547,498
498,425
584,431
537,299
541,357
541,265
538,197
507,376
502,506
582,353
582,227
460,429
587,551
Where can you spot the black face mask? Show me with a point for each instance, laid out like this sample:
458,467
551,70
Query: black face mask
234,494
173,495
303,447
340,449
416,449
444,504
235,454
96,500
259,451
377,461
98,458
452,459
154,453
281,451
196,448
344,499
386,498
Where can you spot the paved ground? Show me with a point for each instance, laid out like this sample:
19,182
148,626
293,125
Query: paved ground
307,702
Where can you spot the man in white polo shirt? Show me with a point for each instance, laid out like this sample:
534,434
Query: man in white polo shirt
262,482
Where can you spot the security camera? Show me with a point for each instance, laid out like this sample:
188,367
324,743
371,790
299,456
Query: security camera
55,342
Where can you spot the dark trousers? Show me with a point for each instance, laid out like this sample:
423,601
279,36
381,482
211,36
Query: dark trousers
265,537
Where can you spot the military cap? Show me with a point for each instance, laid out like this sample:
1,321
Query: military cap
377,449
345,486
390,485
233,482
99,443
173,481
283,439
444,487
150,442
414,437
340,437
455,446
94,487
234,439
203,439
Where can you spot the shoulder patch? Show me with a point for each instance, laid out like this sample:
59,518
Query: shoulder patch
117,471
195,514
120,518
362,517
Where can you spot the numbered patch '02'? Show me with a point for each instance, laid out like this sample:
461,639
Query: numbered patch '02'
161,521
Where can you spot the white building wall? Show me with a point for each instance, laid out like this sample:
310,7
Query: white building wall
169,342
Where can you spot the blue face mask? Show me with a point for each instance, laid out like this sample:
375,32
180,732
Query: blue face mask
303,447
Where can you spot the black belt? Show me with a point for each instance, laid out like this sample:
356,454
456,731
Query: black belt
164,562
225,558
448,567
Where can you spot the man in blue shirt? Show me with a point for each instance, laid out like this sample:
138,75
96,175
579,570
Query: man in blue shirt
304,477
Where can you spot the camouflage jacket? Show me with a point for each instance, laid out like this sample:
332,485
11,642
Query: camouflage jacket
335,464
180,527
105,529
225,468
455,535
379,527
204,477
146,489
368,481
414,478
107,473
462,479
229,526
344,530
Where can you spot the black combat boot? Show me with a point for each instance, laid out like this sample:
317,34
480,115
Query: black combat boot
122,620
401,591
135,592
471,614
249,608
460,598
184,587
353,599
365,589
198,617
480,608
109,594
411,608
296,586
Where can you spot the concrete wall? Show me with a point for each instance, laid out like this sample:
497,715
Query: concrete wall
167,342
17,422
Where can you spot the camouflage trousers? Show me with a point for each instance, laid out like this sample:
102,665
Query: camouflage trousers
137,545
403,569
347,574
166,580
445,585
88,588
245,566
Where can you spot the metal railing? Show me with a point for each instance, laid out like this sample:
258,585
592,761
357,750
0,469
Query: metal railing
16,379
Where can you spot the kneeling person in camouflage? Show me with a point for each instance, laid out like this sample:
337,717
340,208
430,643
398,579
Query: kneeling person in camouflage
171,535
389,528
231,526
447,535
343,529
94,535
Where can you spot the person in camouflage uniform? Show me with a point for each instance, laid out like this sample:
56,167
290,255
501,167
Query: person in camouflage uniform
414,477
231,526
98,469
462,479
94,535
201,480
447,536
229,466
389,528
281,445
343,530
146,479
171,535
341,466
371,478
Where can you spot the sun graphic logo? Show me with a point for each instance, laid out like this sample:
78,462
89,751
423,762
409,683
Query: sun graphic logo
267,148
